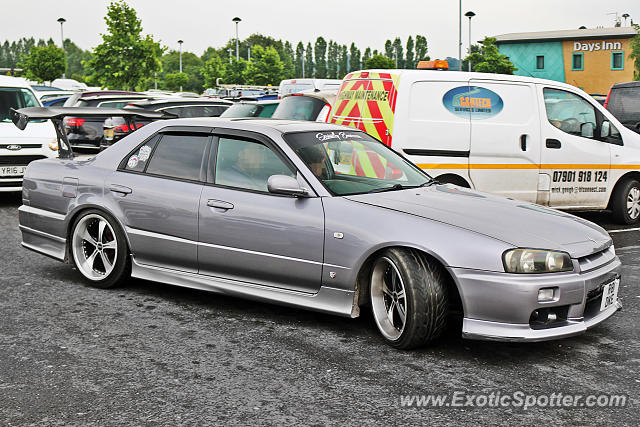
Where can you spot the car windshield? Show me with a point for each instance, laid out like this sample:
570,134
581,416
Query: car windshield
15,97
299,108
241,110
352,162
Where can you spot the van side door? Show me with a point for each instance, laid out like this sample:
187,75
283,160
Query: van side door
505,138
575,161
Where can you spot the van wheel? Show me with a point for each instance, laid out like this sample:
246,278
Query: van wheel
99,250
409,298
626,202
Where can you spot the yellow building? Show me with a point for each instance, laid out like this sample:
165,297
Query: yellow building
591,59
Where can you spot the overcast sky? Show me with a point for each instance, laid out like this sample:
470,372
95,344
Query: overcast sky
203,23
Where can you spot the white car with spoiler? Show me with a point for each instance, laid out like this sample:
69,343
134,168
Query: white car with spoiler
19,148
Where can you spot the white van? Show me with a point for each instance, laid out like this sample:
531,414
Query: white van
18,148
530,139
287,87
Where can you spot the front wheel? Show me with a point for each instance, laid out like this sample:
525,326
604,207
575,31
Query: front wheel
626,202
408,297
99,249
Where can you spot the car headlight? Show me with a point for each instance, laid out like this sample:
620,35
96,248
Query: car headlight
53,145
536,261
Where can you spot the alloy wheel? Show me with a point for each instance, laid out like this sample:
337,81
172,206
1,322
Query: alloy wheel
94,247
388,298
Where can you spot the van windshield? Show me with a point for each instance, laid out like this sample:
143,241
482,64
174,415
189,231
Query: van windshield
352,162
15,97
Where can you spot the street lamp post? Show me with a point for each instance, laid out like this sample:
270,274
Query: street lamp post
395,54
302,56
230,50
180,49
237,20
469,15
62,21
248,52
460,33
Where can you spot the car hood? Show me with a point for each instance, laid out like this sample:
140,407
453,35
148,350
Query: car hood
43,130
518,223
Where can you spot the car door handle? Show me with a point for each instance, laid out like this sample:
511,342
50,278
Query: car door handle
553,143
120,189
219,204
523,142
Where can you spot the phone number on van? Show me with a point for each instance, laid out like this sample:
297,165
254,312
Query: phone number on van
582,176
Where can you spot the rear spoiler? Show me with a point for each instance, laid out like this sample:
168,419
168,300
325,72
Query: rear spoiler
21,117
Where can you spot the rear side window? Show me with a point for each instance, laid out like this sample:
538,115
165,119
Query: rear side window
267,110
138,160
179,156
299,108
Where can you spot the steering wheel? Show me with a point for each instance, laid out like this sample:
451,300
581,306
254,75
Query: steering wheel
570,125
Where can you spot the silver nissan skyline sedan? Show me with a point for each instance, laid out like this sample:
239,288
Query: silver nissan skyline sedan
321,217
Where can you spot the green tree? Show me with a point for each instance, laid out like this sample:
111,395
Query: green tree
380,61
354,61
176,81
409,61
287,57
266,69
124,58
366,56
388,49
192,65
213,69
421,49
299,59
635,53
490,60
320,51
309,66
45,63
234,72
76,58
343,61
397,52
332,60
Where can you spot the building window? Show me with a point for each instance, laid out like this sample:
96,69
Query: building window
539,62
617,60
577,62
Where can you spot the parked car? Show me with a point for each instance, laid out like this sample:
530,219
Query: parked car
624,102
56,101
251,109
531,139
311,106
70,84
116,128
287,87
18,149
284,211
87,134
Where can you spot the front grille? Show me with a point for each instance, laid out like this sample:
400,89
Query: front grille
11,183
597,259
19,160
21,145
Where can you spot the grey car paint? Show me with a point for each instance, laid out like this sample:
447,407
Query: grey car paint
308,252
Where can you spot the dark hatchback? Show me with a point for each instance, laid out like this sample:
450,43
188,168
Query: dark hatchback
86,133
624,102
116,128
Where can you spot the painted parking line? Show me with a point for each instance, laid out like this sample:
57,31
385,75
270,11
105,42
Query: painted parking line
622,231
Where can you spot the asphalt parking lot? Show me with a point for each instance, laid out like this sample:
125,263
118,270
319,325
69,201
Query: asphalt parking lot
152,354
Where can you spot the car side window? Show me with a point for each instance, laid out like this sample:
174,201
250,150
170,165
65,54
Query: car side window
570,113
138,160
178,156
247,164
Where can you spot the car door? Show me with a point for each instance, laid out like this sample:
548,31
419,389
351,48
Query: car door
249,234
157,190
575,163
505,138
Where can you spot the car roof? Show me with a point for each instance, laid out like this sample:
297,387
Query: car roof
183,101
8,81
626,84
259,124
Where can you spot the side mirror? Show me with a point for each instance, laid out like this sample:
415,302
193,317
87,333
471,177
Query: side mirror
586,130
283,184
605,130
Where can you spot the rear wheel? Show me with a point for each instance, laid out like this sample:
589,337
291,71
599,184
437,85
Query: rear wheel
408,297
626,202
99,250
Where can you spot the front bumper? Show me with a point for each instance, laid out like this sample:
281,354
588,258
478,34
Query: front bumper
499,306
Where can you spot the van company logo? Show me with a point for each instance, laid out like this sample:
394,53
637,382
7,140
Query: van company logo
473,102
14,147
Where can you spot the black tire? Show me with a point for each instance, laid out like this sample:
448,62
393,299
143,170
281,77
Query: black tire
621,214
121,261
426,298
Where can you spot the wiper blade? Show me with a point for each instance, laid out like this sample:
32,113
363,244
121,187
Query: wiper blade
392,188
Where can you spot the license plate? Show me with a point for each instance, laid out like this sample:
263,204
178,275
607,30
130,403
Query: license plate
610,294
108,134
12,170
